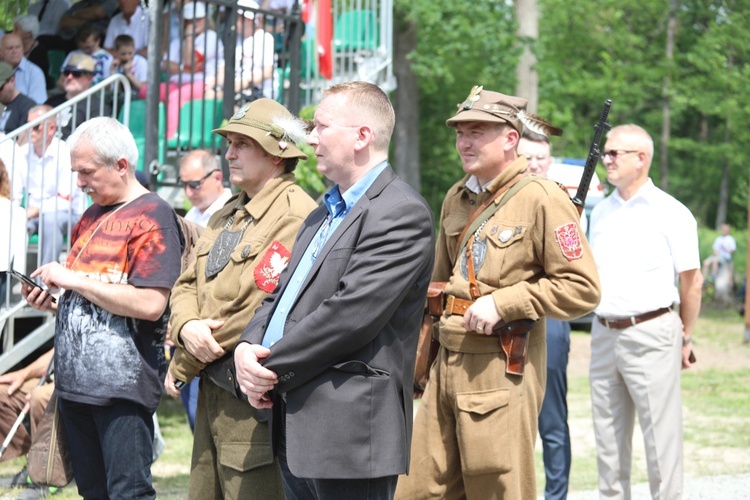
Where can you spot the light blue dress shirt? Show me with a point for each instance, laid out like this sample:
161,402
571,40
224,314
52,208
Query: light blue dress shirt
30,81
338,206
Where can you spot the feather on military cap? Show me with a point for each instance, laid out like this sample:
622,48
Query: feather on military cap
271,125
488,106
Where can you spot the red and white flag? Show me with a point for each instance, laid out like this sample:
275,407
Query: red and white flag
325,39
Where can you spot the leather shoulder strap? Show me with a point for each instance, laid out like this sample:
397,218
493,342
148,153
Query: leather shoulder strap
482,215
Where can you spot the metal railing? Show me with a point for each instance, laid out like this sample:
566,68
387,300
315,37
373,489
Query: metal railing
116,89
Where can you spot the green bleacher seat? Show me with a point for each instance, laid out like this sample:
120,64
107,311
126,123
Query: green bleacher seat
194,131
356,30
137,127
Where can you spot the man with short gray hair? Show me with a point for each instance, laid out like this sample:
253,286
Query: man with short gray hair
201,178
112,318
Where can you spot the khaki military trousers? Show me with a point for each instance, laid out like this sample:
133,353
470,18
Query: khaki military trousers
476,427
638,369
231,450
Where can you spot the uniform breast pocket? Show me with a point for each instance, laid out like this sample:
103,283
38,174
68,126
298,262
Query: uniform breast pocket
507,246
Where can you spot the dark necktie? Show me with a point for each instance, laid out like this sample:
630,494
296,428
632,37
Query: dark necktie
41,12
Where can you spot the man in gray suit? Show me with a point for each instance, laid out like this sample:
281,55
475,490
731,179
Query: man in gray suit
332,350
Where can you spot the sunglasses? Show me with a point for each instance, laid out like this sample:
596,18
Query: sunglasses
196,185
614,153
76,74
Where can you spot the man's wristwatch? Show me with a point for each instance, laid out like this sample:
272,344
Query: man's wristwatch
687,339
179,384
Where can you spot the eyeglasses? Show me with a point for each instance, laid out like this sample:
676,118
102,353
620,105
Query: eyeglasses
612,154
196,185
76,74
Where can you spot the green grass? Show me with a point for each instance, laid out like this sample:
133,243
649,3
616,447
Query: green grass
716,414
716,409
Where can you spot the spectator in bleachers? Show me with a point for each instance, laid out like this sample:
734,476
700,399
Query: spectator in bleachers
88,41
255,54
132,20
79,76
17,105
43,176
12,233
49,13
30,79
191,60
98,12
27,27
127,62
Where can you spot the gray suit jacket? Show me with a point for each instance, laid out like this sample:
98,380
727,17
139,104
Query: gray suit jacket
346,360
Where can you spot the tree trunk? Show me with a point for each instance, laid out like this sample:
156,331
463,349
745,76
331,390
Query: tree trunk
665,89
406,104
721,208
527,85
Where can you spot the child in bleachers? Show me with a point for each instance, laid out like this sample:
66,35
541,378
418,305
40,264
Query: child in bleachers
128,63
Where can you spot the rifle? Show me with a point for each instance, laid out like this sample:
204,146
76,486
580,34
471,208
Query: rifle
579,200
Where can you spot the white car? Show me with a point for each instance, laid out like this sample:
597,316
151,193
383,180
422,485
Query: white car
568,172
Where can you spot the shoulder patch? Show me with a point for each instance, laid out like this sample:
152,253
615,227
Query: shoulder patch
569,239
267,272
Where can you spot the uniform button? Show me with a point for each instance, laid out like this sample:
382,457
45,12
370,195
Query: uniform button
471,202
282,310
299,278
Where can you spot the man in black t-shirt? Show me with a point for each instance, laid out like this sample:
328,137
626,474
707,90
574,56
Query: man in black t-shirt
111,321
16,104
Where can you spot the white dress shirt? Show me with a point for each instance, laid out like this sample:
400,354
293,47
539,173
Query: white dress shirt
640,246
137,28
201,218
48,180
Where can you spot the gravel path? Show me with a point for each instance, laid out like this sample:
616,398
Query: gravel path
699,488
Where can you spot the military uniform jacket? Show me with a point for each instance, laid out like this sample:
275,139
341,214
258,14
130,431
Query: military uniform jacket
531,257
252,272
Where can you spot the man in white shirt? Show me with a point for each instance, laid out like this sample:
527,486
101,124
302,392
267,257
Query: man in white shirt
30,79
254,58
42,173
724,246
200,176
645,244
132,20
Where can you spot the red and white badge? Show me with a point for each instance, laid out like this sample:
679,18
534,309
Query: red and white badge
569,239
273,262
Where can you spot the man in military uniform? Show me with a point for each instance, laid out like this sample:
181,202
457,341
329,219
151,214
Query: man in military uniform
475,431
239,257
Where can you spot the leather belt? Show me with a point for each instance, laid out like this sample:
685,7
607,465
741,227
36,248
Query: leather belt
454,305
622,323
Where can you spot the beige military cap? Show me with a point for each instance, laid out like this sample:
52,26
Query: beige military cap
488,106
271,125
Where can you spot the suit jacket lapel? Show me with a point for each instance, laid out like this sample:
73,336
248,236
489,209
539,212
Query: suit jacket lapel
354,215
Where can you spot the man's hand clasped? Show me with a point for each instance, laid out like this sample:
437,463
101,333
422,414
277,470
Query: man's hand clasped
255,381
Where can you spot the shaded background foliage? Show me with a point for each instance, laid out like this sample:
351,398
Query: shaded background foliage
588,52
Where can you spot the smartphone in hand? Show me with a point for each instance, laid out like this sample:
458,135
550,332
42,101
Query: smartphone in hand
25,279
